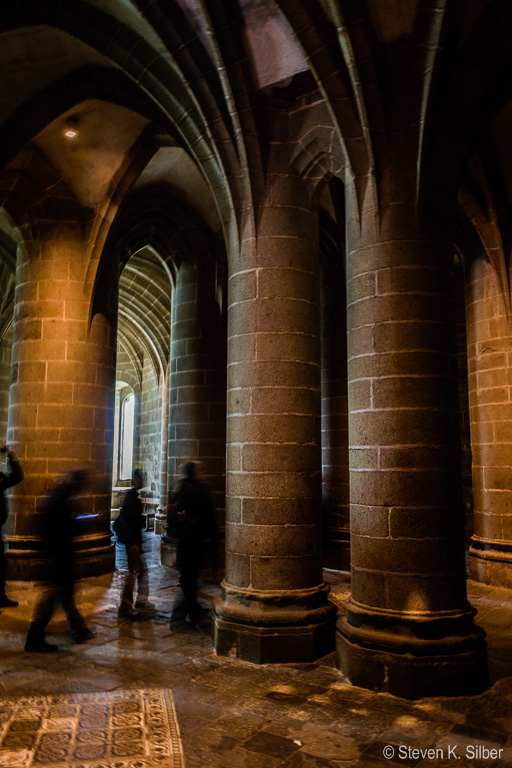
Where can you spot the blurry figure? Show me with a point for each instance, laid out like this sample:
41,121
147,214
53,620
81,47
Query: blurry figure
128,528
7,481
57,541
191,520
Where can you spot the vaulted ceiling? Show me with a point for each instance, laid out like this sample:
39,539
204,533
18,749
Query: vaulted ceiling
412,98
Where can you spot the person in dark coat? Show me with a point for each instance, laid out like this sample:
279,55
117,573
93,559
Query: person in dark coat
7,481
128,528
58,532
191,519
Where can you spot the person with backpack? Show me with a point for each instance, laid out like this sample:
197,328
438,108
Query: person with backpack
128,528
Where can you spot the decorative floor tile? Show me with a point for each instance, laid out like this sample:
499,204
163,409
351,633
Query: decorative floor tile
134,728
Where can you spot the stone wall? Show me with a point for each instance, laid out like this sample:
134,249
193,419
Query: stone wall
150,429
489,331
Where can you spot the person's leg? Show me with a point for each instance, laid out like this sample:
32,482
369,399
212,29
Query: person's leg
43,612
180,610
196,611
126,606
192,556
190,583
142,601
75,619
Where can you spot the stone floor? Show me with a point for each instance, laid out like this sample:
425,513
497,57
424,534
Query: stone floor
237,715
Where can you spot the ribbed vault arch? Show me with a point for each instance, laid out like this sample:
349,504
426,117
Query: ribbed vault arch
167,81
7,276
145,307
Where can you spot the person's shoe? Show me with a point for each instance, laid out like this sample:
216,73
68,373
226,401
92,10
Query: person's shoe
129,613
198,615
144,605
178,614
40,647
6,603
84,635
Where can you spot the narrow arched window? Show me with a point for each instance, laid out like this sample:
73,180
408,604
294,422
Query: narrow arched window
127,423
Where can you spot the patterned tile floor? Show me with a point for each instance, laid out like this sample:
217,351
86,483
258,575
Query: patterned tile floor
126,728
237,715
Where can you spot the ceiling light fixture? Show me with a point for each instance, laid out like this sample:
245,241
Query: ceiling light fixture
71,127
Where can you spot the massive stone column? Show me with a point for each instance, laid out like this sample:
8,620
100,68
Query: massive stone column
335,465
197,410
408,627
489,331
161,511
62,398
5,379
164,454
462,375
274,605
7,268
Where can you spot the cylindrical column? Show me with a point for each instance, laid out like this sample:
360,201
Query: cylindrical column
164,456
62,399
197,410
408,628
489,330
335,466
161,511
7,268
5,380
274,605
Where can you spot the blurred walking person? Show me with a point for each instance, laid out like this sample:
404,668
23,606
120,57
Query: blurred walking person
191,520
59,527
14,477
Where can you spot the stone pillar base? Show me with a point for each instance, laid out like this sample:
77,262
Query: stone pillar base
274,627
273,645
412,656
28,565
490,562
